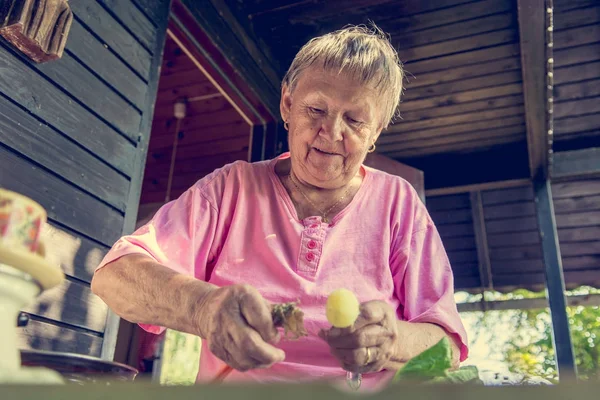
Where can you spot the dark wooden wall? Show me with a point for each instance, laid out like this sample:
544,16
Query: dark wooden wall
452,216
212,134
512,234
73,137
577,74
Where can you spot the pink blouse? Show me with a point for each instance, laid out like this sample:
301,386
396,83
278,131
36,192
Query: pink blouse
238,225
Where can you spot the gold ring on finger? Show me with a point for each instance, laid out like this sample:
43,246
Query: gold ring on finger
368,356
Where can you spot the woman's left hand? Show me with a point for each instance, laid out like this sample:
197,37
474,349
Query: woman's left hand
369,344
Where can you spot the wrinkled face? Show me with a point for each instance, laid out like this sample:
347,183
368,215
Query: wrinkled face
333,121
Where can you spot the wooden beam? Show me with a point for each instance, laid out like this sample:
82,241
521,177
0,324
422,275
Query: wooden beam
555,280
238,22
478,187
459,144
231,77
237,45
532,34
576,163
237,85
483,251
205,97
208,76
528,304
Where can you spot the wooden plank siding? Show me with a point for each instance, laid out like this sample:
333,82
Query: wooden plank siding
153,9
115,36
453,219
535,53
512,234
83,46
48,103
481,57
71,135
577,74
47,335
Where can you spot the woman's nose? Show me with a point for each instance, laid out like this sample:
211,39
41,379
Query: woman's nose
332,129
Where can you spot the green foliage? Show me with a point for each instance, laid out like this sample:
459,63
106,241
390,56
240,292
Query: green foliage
529,348
467,374
181,354
433,365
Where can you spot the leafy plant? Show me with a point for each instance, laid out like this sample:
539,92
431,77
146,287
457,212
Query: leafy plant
433,365
527,348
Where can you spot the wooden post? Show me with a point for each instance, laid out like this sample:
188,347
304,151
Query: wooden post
555,282
536,40
537,80
478,187
483,252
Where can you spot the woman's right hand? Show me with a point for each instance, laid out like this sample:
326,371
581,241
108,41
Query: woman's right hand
236,321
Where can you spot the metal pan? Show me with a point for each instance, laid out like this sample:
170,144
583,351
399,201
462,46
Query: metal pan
76,368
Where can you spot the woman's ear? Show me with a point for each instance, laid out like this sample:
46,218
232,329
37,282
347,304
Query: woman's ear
376,136
285,105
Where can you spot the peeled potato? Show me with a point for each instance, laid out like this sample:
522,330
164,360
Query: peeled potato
342,308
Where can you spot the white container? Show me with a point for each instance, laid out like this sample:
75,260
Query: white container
17,290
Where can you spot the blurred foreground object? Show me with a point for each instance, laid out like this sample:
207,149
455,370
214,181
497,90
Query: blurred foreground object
24,274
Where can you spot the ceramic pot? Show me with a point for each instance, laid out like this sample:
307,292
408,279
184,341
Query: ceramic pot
21,220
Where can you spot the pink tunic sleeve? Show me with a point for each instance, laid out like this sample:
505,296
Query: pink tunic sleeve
424,279
179,236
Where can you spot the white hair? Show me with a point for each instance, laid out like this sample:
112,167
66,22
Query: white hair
363,54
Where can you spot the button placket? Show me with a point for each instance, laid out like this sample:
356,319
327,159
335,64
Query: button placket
310,246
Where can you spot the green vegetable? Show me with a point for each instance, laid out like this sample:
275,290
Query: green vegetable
431,363
462,375
433,366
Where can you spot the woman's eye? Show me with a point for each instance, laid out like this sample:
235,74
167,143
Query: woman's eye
315,110
354,121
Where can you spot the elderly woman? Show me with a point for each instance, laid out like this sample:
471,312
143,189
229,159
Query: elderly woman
295,228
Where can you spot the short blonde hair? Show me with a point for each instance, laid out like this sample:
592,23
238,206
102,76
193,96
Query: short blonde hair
365,54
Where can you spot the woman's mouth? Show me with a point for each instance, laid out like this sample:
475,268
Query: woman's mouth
327,153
